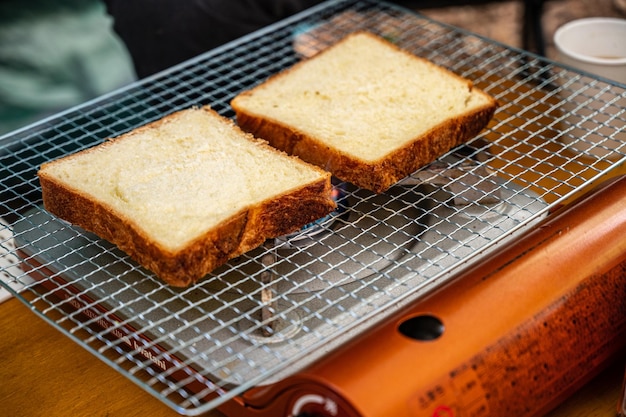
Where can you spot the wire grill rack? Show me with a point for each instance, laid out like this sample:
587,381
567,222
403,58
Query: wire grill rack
276,309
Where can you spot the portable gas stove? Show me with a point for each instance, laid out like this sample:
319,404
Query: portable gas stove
481,285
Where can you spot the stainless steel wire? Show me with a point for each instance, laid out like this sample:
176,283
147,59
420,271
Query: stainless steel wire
280,307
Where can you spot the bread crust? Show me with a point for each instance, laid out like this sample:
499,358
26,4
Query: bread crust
377,175
243,231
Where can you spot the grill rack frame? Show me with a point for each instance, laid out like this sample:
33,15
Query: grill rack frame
522,126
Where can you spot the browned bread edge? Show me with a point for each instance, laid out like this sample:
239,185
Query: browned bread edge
379,175
376,176
242,232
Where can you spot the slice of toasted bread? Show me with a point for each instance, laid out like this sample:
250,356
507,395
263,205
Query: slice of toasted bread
365,110
186,193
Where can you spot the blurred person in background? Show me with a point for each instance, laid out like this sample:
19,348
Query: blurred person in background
55,54
162,33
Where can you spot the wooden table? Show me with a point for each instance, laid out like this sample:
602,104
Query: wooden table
44,373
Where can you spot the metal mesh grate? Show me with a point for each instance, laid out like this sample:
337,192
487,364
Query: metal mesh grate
272,311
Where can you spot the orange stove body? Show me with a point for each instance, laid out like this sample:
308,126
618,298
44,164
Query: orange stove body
518,332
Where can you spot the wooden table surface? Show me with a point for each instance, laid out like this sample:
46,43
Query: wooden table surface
43,373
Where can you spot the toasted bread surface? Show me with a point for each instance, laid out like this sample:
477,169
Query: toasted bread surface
365,110
184,194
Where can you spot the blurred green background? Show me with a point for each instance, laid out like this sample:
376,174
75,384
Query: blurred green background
55,54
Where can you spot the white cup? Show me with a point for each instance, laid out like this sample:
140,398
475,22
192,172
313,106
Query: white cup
597,46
